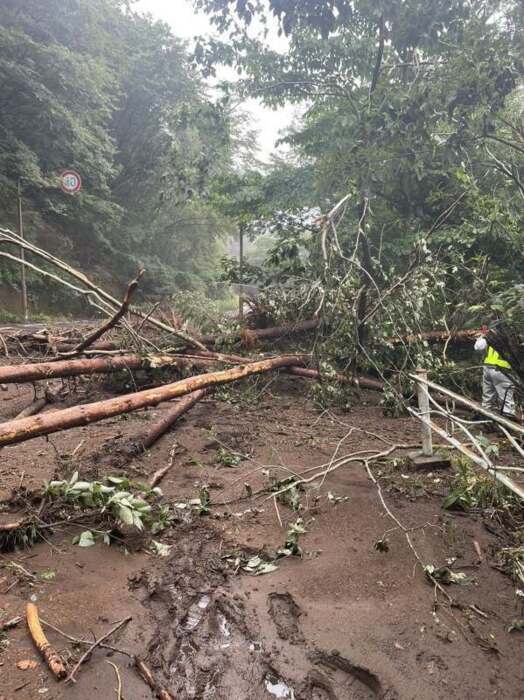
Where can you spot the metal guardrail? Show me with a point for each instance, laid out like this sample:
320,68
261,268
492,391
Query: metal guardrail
428,426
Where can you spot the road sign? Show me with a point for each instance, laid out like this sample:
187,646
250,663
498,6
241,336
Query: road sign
70,181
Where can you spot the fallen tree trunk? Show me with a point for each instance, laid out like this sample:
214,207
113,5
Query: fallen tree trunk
250,336
98,365
23,429
172,415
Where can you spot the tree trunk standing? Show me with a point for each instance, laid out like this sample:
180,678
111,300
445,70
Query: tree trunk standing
366,276
365,253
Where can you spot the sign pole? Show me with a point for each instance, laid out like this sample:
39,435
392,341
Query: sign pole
22,254
241,273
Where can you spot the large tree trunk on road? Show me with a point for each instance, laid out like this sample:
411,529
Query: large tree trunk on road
26,428
98,365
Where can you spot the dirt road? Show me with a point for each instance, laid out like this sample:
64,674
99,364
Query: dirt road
343,622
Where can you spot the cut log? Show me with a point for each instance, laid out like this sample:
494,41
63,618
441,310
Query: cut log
99,365
172,415
16,431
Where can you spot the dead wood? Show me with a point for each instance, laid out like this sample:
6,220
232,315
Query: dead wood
160,473
15,431
171,415
9,624
52,658
99,365
262,333
38,404
96,295
33,408
94,645
10,527
147,676
99,332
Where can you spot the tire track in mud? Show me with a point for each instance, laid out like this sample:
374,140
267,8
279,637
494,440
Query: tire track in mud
209,645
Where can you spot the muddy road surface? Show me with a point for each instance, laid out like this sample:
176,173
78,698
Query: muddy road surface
345,620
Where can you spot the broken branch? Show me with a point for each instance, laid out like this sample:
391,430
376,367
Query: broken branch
171,416
99,332
151,681
94,645
52,658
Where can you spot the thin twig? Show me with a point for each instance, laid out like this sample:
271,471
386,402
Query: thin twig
118,690
93,646
86,642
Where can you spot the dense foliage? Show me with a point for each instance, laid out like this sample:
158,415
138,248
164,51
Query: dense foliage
93,86
414,113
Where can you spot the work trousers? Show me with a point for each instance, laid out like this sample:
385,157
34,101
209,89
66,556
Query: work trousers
497,390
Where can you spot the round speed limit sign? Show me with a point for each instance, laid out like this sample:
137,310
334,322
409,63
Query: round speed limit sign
70,181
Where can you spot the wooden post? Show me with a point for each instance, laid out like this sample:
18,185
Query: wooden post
423,406
22,254
241,273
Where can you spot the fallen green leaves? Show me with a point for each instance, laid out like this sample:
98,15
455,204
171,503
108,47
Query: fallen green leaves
510,560
255,565
446,576
472,489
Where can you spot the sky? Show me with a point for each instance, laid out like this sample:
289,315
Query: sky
186,23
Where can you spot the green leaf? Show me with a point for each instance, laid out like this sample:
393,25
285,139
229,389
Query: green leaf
126,515
85,539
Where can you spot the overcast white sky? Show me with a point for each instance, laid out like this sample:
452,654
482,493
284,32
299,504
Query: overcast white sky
187,23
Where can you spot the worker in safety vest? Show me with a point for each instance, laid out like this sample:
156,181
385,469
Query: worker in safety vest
497,387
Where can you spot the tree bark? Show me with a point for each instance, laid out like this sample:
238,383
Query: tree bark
11,374
16,431
171,416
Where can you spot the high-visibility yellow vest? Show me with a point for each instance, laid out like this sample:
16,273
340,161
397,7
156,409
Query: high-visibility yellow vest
493,358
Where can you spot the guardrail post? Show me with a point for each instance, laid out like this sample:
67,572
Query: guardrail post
423,406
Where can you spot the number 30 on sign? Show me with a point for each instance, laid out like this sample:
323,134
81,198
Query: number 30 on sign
70,181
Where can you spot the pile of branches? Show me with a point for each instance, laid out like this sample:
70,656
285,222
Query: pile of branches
102,351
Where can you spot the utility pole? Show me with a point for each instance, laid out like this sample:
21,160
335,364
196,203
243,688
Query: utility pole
241,273
22,253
